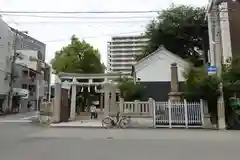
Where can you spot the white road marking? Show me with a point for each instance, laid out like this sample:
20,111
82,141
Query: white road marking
27,118
15,121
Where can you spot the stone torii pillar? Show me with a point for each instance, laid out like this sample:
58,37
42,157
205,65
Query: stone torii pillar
73,100
57,101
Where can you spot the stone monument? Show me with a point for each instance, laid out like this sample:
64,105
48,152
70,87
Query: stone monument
174,95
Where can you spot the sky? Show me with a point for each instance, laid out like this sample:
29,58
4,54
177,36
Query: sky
55,33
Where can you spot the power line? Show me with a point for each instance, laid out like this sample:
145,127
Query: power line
80,22
97,36
77,17
80,12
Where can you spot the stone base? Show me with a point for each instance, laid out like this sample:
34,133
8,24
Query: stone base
175,96
221,123
207,122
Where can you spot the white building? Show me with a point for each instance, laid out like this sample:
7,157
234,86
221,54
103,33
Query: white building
28,58
122,51
6,52
230,33
154,73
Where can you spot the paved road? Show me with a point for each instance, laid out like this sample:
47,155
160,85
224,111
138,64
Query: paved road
23,141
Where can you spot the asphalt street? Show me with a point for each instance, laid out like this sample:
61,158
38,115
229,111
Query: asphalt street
25,141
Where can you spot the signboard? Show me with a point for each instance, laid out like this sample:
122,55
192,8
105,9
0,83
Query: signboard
212,70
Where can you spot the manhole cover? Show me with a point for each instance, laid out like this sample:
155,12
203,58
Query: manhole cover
109,137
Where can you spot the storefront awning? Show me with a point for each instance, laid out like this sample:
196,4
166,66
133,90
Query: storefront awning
23,93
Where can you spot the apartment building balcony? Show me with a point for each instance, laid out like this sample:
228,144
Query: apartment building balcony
127,45
122,63
117,54
131,40
121,57
126,49
121,67
28,80
28,76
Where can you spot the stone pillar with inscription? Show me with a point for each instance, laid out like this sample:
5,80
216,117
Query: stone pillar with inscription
174,95
109,99
73,100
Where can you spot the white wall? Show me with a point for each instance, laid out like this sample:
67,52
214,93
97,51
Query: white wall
157,68
6,51
211,33
26,60
225,34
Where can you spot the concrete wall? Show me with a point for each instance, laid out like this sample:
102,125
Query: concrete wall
157,90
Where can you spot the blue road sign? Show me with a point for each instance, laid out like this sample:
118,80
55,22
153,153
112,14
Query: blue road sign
212,69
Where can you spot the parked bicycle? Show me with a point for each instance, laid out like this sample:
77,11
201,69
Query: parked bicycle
116,121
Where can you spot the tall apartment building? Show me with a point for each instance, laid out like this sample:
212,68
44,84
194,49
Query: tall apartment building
122,51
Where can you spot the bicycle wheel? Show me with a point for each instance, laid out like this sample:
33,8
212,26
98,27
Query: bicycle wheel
124,122
107,122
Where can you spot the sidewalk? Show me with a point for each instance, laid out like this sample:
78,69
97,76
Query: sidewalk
19,117
136,123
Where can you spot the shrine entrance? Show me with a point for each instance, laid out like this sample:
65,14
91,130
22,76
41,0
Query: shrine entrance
102,86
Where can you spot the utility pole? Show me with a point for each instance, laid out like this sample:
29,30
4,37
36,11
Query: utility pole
219,62
12,73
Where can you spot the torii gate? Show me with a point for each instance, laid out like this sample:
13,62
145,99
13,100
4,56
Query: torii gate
71,80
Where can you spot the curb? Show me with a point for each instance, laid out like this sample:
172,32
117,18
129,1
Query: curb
133,127
99,127
89,127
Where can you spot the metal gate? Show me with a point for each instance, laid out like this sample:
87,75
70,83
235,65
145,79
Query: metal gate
179,114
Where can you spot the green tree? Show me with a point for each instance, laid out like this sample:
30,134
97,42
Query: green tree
129,90
182,30
231,88
199,85
78,57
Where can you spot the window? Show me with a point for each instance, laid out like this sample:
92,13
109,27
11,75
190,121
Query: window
24,86
25,73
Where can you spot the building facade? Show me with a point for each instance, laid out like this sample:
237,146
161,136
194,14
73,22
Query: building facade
153,73
230,33
6,52
31,71
122,51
